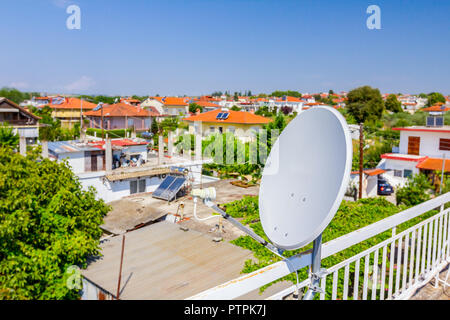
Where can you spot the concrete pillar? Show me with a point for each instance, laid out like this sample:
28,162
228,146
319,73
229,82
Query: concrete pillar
170,144
133,135
44,149
108,155
198,147
23,146
160,149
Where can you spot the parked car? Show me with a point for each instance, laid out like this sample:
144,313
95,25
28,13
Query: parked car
384,188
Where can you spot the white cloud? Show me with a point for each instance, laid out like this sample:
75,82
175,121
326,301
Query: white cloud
19,85
61,3
82,84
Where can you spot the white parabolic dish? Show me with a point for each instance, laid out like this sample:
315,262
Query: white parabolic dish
305,177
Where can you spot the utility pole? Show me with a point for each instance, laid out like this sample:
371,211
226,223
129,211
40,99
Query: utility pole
103,137
361,157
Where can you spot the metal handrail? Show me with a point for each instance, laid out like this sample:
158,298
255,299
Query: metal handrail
249,282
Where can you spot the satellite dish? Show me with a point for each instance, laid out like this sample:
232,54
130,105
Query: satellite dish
305,177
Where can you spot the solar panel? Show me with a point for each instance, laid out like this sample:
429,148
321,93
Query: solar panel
225,116
439,121
170,193
163,186
219,116
169,190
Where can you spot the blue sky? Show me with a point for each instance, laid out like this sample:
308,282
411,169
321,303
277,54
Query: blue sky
174,47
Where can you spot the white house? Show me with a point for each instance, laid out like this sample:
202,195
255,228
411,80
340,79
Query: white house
133,170
421,149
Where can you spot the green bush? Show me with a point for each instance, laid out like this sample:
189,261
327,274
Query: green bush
47,224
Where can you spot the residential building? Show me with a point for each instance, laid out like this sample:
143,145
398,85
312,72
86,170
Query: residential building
119,168
242,124
69,110
421,149
23,122
122,116
171,106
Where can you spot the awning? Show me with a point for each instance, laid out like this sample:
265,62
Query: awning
434,164
371,172
137,174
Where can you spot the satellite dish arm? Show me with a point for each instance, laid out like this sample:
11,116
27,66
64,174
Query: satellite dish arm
240,226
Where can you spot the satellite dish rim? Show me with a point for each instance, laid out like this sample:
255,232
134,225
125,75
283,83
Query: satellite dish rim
342,189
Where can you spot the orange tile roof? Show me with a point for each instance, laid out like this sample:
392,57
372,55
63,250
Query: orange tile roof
234,117
371,172
121,110
434,164
203,103
73,103
436,108
171,101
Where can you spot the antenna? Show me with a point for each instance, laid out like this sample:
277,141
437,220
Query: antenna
303,184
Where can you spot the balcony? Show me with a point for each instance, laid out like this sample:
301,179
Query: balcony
398,266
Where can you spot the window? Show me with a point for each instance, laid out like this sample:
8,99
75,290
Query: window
398,173
414,145
444,144
407,173
232,129
133,187
137,186
212,129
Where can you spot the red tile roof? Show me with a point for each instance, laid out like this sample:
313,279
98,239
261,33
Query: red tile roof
206,104
119,143
234,117
171,101
434,164
371,172
121,110
73,103
436,108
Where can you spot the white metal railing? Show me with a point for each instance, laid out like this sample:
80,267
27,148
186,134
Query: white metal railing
392,269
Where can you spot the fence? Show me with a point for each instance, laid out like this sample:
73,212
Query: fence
392,269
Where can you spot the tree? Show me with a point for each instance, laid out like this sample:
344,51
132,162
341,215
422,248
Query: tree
14,95
415,191
154,127
47,224
286,110
364,104
235,108
435,97
392,104
193,107
289,93
7,137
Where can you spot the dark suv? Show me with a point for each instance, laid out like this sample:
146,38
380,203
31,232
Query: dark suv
384,188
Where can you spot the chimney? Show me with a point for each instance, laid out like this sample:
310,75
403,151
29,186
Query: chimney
23,146
108,155
44,149
197,112
252,111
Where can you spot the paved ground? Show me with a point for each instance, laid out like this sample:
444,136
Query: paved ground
429,292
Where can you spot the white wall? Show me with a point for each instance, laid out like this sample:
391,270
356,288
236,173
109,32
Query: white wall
112,191
75,159
429,143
